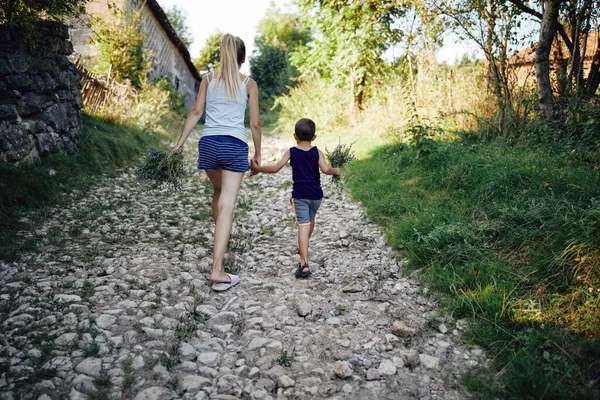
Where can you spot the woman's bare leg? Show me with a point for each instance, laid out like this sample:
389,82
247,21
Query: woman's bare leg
226,185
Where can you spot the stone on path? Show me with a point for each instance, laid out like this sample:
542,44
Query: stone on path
401,330
105,321
354,287
342,369
429,362
285,381
156,393
372,374
90,366
387,368
304,309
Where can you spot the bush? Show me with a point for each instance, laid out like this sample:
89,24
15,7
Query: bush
120,40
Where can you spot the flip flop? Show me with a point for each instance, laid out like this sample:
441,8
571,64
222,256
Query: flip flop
222,286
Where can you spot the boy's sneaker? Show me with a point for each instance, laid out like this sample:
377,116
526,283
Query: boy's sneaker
303,271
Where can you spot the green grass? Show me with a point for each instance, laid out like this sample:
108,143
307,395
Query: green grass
27,191
511,235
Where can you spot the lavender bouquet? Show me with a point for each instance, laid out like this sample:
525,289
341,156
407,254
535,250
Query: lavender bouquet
161,169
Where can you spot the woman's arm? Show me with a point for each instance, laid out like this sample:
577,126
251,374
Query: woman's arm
255,126
194,116
326,168
271,169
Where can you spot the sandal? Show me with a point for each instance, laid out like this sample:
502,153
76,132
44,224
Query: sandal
222,286
303,271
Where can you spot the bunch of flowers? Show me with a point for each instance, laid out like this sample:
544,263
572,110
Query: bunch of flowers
161,169
341,155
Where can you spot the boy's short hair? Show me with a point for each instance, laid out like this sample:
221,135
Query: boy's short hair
305,129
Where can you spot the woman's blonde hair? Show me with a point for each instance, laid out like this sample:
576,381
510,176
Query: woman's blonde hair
233,54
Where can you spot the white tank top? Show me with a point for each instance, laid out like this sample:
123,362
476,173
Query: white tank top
225,116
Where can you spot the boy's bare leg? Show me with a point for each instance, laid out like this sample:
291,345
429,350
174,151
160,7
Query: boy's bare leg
312,228
304,232
227,186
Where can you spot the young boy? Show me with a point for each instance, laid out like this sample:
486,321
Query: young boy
306,193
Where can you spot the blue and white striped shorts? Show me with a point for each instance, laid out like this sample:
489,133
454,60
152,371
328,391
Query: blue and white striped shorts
223,152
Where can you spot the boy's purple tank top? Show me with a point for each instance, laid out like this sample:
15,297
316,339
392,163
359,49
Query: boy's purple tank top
305,174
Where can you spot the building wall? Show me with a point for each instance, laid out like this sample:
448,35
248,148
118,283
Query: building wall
166,58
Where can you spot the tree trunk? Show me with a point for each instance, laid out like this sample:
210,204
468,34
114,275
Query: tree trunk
593,78
357,85
548,30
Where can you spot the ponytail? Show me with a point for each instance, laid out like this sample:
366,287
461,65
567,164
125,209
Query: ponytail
233,53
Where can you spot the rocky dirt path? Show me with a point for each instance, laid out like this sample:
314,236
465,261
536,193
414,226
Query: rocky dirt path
114,303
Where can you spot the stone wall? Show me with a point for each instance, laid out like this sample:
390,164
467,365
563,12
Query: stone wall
40,98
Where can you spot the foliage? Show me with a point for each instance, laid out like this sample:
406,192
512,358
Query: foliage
511,235
284,30
161,169
26,12
349,39
272,72
104,148
279,34
146,106
120,40
178,21
317,98
210,54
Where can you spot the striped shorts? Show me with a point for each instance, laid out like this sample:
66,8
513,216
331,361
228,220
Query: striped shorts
223,152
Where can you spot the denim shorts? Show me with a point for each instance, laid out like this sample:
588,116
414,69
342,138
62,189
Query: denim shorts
223,152
305,210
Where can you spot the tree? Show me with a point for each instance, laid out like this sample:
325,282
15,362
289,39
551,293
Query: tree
571,21
279,34
178,21
285,30
492,25
120,41
210,55
349,39
21,12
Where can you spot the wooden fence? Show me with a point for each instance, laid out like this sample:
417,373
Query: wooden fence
97,91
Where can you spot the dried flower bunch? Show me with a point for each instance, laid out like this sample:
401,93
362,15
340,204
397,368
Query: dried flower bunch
162,169
340,156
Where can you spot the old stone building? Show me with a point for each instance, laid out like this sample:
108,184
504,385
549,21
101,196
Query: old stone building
170,57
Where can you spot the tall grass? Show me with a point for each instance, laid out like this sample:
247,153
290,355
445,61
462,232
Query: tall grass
510,234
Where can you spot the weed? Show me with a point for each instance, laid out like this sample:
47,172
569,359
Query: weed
129,377
285,360
91,350
340,309
267,230
102,380
87,290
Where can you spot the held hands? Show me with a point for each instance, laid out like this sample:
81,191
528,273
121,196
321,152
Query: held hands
255,164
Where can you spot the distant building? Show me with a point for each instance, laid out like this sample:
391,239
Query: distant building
523,66
170,56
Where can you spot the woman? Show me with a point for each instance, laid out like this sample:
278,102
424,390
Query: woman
223,147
